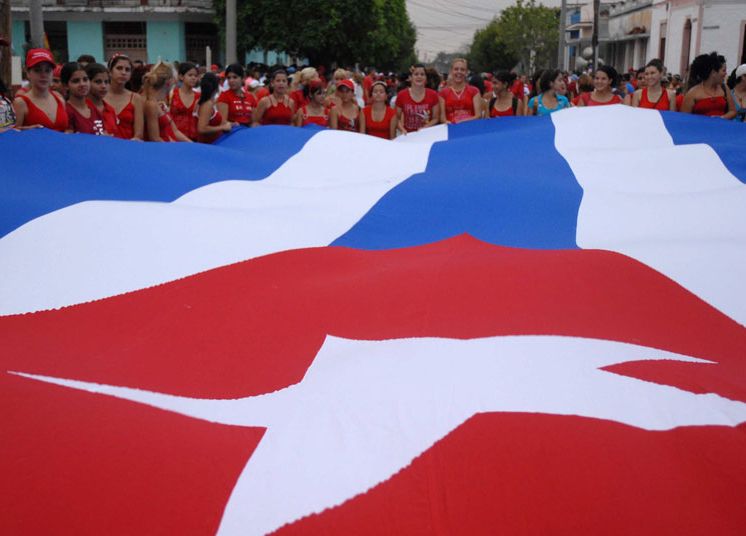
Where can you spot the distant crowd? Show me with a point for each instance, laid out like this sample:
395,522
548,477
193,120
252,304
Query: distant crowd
189,103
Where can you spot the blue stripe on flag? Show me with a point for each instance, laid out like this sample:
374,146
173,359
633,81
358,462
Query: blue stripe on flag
727,138
42,171
501,181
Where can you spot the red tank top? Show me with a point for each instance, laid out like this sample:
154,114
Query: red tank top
36,115
494,112
663,102
215,120
711,106
278,113
126,120
183,115
345,123
320,120
111,123
587,99
379,129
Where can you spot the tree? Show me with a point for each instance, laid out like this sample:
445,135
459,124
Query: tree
489,51
370,32
531,33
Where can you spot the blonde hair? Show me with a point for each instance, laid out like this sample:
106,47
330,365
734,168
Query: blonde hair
308,74
456,60
157,77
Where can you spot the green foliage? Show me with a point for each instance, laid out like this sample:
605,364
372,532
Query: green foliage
371,32
531,33
489,52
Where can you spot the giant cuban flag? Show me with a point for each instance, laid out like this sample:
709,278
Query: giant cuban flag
511,326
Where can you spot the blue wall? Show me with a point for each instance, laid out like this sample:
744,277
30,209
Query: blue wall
19,38
85,38
167,40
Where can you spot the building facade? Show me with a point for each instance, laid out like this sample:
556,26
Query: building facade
144,29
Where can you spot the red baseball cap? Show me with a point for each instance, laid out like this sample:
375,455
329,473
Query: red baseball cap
36,56
346,83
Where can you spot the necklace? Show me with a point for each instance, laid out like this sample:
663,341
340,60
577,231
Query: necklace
458,94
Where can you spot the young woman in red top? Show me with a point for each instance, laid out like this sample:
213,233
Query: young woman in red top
652,95
345,115
210,122
82,115
315,112
604,81
707,94
504,102
158,121
378,118
277,108
183,102
100,83
462,101
236,104
417,106
128,106
39,106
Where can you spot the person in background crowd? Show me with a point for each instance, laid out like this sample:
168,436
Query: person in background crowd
378,118
434,80
345,115
331,91
183,100
477,81
7,115
370,77
277,108
236,105
159,124
462,101
503,101
210,123
100,80
737,85
39,106
84,59
315,112
548,101
82,115
604,81
305,77
417,106
127,104
357,80
707,94
57,82
652,94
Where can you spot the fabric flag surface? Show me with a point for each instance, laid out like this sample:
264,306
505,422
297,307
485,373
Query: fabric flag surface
509,326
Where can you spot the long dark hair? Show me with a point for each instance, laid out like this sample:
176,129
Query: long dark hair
208,85
702,66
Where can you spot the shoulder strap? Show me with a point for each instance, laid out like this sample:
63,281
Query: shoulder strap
492,102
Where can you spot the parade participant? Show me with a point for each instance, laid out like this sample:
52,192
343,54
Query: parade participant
584,85
332,97
100,83
462,101
378,118
737,85
314,112
7,115
305,77
504,102
82,115
159,124
652,95
277,108
127,105
39,106
210,122
604,81
57,85
183,101
707,94
548,101
417,106
345,116
236,104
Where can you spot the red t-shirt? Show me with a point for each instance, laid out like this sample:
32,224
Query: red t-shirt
240,107
379,129
77,122
459,104
416,115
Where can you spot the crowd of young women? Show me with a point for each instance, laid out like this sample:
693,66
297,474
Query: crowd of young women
188,106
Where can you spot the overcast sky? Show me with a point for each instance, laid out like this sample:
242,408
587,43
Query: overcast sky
450,25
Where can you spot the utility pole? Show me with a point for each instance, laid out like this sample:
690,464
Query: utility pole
594,39
563,22
5,30
37,24
230,31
